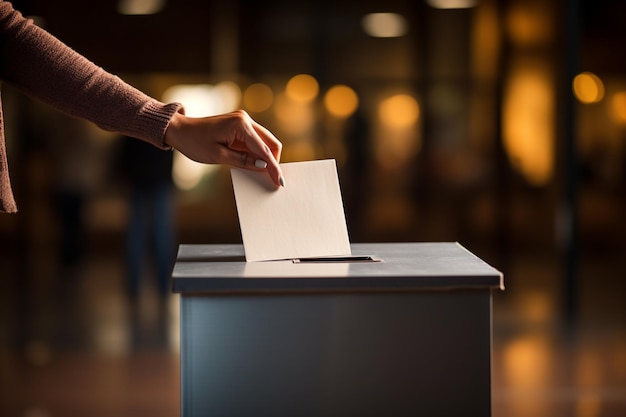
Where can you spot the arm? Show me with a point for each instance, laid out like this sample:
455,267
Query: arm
42,66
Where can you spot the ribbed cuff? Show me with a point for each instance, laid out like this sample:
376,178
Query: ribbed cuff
154,119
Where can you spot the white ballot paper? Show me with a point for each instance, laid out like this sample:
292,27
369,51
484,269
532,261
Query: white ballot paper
304,219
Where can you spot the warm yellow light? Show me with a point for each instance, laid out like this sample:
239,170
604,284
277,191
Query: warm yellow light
197,99
293,117
200,100
226,97
258,97
341,101
526,362
618,107
451,4
588,88
528,114
384,25
186,173
485,41
302,88
300,151
529,23
140,7
398,138
399,111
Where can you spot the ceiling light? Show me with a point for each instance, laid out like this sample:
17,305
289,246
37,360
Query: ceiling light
384,25
140,7
452,4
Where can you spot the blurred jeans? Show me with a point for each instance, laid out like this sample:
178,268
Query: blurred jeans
150,237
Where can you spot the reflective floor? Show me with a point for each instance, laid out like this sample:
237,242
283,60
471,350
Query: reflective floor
542,367
93,353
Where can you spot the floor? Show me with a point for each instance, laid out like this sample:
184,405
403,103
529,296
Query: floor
93,353
543,366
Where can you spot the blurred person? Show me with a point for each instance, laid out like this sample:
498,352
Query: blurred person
75,155
150,232
40,65
150,229
77,168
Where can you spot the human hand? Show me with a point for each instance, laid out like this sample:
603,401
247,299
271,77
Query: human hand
232,138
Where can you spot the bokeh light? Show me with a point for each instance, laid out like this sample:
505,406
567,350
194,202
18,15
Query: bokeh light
451,4
384,25
529,23
399,111
197,98
258,97
140,7
226,96
397,140
302,88
618,107
341,101
301,151
200,100
187,173
527,361
293,117
529,113
588,88
528,364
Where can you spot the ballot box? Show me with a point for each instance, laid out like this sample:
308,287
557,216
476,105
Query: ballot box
398,329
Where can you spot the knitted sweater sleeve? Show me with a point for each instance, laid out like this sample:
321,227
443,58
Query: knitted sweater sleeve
42,66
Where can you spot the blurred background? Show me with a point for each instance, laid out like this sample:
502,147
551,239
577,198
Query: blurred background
500,124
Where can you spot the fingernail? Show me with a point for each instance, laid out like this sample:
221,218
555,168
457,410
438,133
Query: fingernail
261,164
282,181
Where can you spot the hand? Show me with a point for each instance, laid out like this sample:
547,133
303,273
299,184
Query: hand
232,138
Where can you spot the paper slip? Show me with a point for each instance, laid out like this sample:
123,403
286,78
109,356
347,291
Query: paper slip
304,219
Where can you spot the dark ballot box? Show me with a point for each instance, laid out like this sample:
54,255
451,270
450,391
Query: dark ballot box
405,333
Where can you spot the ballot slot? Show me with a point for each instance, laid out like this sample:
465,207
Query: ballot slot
338,259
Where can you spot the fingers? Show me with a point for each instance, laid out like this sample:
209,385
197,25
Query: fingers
261,164
247,160
232,138
243,159
269,139
265,146
259,139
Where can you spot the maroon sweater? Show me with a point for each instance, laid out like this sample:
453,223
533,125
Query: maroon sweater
40,65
